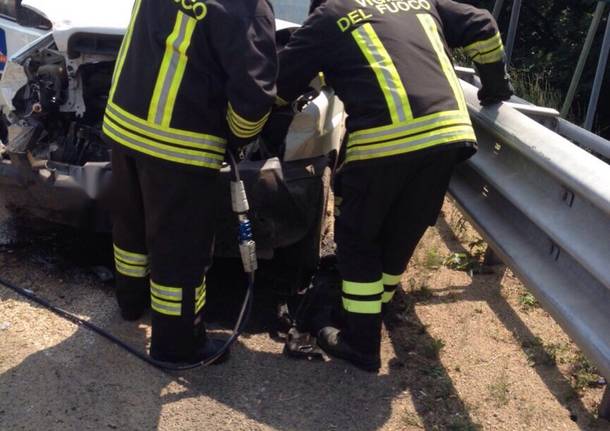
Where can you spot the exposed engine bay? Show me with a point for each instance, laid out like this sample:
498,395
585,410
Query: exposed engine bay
60,108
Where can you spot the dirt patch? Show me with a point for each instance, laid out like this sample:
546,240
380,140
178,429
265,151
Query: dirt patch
462,350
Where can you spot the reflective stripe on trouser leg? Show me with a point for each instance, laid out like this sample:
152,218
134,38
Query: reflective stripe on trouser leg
166,300
200,296
131,264
390,282
362,298
169,300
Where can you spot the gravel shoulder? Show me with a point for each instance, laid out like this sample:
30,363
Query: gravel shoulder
464,351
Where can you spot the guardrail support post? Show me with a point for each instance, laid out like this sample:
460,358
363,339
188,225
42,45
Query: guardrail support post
599,78
491,258
582,60
512,29
604,407
497,8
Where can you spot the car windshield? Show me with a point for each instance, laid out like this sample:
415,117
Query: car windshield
291,10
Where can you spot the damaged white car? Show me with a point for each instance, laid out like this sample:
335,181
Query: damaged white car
53,160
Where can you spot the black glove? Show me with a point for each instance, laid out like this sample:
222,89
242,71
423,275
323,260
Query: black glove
495,81
275,131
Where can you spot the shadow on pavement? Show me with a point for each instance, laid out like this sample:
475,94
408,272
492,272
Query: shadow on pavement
552,377
84,382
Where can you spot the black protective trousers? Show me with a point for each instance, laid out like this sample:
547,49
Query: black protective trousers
163,232
383,210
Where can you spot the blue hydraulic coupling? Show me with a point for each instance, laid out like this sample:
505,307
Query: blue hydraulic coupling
247,246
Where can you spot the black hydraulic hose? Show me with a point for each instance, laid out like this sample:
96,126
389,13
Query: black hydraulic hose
244,312
237,329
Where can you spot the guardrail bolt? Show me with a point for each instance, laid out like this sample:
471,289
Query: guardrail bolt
555,251
568,197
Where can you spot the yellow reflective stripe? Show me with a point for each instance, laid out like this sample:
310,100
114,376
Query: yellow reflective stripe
417,139
418,125
241,121
162,146
164,132
242,127
389,80
391,280
130,257
172,70
120,62
200,302
161,151
166,292
362,307
179,74
362,289
363,133
178,136
165,307
490,57
431,30
387,296
153,109
484,46
136,271
414,143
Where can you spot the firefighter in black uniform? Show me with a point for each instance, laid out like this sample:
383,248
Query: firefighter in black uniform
192,77
408,125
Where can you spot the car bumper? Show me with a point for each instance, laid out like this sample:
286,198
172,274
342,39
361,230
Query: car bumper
285,198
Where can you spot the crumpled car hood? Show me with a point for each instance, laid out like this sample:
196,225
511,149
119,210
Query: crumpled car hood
64,14
93,16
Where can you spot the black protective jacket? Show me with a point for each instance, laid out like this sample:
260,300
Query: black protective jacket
191,76
389,62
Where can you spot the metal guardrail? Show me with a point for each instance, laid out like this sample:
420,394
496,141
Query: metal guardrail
550,118
543,205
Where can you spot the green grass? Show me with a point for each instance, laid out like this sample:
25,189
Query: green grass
535,88
528,301
539,353
412,420
432,348
462,424
423,293
433,259
499,391
584,373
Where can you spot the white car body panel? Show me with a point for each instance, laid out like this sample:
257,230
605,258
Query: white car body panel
17,36
83,16
87,16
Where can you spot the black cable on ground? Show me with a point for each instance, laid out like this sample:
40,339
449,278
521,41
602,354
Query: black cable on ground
239,324
245,311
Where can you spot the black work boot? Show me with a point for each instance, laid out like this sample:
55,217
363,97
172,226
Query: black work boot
211,348
175,342
334,342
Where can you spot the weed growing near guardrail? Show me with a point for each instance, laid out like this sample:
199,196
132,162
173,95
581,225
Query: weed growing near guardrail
499,391
433,259
584,373
528,301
